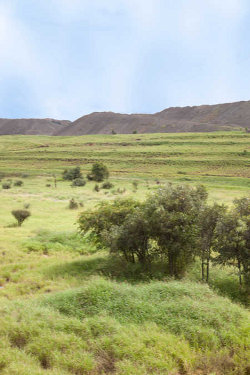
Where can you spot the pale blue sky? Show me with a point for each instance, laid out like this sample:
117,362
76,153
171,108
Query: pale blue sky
66,58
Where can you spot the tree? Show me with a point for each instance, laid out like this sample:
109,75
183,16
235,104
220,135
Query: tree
99,172
107,214
20,215
132,238
233,243
208,218
173,212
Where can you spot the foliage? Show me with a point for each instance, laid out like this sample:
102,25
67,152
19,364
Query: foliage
72,174
21,215
166,224
78,182
107,185
73,204
6,185
99,172
18,183
233,245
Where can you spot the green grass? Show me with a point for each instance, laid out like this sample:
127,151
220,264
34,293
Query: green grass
106,327
69,308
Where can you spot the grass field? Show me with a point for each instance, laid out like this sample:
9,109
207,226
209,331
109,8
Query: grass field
67,308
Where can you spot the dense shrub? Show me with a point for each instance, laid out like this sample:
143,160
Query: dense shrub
99,172
72,174
78,182
6,185
21,215
18,183
73,204
107,185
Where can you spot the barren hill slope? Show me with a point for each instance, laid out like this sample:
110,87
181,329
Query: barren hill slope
31,126
176,119
229,116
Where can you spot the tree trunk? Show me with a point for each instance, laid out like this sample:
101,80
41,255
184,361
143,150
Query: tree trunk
239,267
208,265
203,266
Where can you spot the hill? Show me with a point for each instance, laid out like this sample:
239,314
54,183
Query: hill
204,118
45,126
230,116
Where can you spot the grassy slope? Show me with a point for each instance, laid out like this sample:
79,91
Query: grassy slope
105,327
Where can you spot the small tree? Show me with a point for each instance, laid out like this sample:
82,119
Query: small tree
105,216
20,215
232,243
99,172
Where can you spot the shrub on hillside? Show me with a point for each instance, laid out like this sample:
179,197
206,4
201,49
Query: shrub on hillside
18,183
6,185
73,204
21,216
107,185
72,174
99,172
78,182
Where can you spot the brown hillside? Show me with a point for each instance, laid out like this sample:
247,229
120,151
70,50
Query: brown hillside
187,119
31,126
229,116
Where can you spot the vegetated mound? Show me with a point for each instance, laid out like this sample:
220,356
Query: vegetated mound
31,126
205,118
110,328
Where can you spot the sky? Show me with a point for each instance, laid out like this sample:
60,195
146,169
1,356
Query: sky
67,58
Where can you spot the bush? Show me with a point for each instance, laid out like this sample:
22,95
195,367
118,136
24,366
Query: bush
96,188
21,215
73,204
135,185
99,172
18,183
107,185
6,185
78,182
72,174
